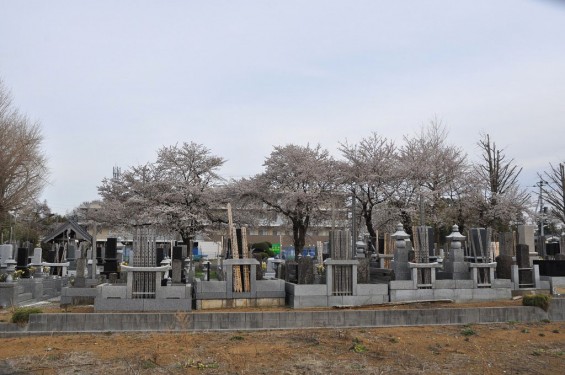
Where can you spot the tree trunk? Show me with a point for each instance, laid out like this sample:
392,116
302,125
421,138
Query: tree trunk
299,236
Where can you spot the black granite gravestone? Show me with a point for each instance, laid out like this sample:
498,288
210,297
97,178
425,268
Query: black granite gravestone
99,259
525,276
177,252
504,266
22,258
160,256
110,260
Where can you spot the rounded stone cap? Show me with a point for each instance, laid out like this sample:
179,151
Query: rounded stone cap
400,234
455,235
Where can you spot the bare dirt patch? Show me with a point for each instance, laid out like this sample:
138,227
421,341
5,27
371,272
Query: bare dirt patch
508,348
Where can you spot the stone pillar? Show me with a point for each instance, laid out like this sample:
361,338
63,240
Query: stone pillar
401,254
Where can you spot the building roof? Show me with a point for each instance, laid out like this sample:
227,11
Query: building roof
68,230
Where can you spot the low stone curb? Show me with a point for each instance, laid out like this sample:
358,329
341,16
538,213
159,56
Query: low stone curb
49,324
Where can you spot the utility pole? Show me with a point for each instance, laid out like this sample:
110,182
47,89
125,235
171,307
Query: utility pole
541,217
354,219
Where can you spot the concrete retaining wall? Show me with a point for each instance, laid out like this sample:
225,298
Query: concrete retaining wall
190,321
78,296
456,290
301,296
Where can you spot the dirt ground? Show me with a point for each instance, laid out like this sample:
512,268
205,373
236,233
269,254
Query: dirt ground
507,348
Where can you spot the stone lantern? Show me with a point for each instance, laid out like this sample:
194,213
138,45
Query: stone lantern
455,237
455,265
401,254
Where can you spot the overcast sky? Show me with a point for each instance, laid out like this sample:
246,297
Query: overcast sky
113,81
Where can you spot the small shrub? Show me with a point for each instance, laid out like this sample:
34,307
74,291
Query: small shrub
468,331
555,331
237,338
21,314
525,330
539,300
358,348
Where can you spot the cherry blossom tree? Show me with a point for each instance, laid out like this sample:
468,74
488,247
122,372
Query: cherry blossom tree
176,192
370,174
299,183
433,173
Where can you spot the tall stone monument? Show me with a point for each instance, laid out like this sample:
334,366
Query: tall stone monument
401,254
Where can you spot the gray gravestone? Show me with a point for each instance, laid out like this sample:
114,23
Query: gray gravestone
177,271
291,272
506,244
80,280
36,258
363,271
305,270
6,252
526,235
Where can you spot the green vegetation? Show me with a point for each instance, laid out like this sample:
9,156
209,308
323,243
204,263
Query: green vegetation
21,314
539,300
358,347
468,331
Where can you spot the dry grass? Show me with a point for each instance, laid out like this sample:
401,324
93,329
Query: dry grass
492,349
